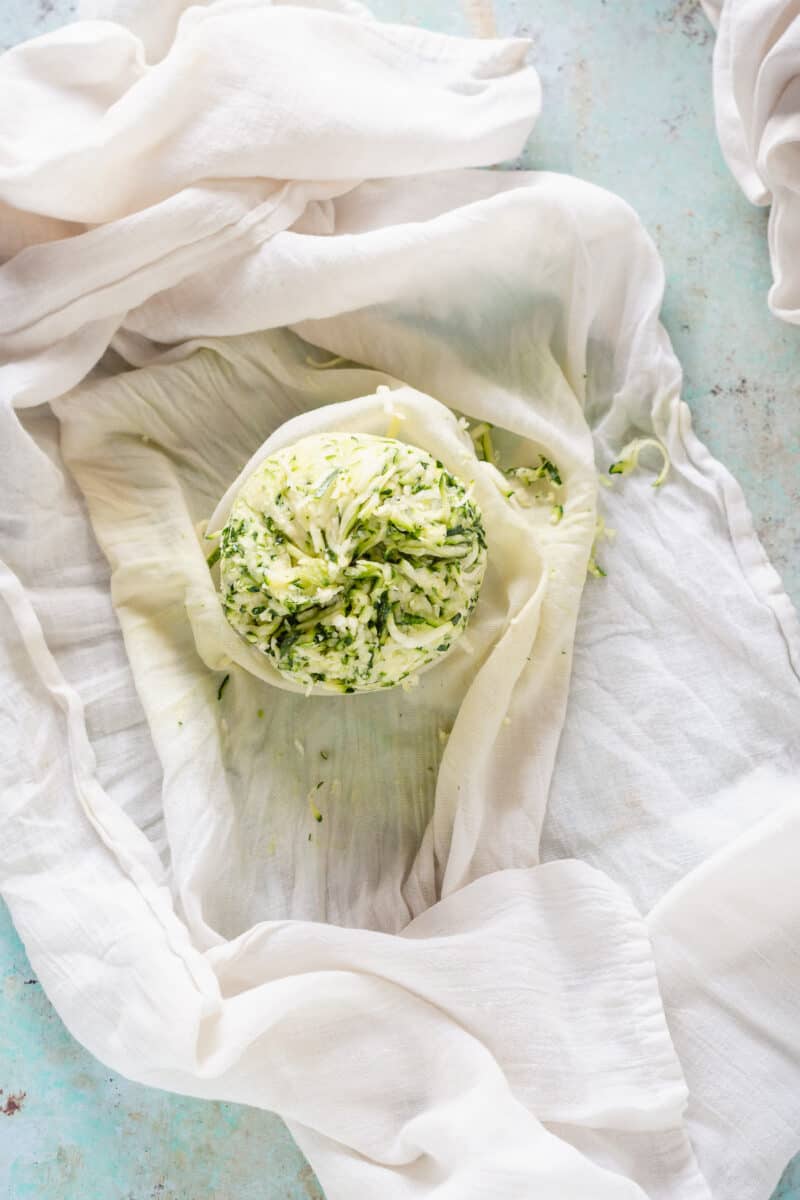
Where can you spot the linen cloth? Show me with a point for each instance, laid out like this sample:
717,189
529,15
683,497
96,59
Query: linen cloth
757,105
435,991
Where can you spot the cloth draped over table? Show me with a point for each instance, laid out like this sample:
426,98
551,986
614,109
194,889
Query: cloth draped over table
757,104
544,940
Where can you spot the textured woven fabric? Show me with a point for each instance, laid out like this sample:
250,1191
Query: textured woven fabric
450,986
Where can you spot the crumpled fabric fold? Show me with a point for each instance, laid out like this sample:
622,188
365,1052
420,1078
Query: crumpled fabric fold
757,106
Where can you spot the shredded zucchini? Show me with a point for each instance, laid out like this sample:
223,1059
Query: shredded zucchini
482,437
315,812
351,561
629,458
602,532
526,482
326,364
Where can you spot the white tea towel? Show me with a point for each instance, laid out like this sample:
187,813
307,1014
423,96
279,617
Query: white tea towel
434,1009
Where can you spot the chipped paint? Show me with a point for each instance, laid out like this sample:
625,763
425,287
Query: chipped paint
688,18
12,1104
308,1180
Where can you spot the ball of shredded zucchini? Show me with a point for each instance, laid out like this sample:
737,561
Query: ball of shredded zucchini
351,561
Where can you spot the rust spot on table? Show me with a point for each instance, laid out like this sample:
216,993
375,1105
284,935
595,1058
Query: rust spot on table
13,1103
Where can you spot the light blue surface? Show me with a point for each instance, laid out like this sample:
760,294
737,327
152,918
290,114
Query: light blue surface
627,105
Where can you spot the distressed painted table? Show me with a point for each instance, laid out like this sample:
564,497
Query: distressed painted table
627,105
